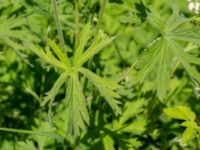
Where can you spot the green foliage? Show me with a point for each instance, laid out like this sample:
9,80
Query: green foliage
74,100
13,30
180,112
166,48
99,74
1,56
184,113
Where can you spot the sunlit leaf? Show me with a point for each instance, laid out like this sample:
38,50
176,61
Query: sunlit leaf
106,89
108,143
136,127
131,109
101,40
76,106
180,112
50,96
159,56
85,35
188,135
190,124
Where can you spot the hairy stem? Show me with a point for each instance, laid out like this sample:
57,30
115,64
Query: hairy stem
40,133
77,22
59,27
100,16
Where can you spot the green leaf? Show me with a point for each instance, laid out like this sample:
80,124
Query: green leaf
174,22
85,35
146,63
183,56
189,35
11,29
1,56
59,52
190,124
13,32
76,107
186,59
156,22
105,87
108,143
132,108
188,135
75,104
42,141
180,112
163,71
50,96
136,127
46,56
132,142
158,58
101,40
26,145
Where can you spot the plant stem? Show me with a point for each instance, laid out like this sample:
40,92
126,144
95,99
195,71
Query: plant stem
120,55
196,142
59,27
85,81
128,71
77,22
103,6
40,133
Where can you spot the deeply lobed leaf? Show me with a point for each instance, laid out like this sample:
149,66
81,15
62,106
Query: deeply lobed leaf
75,103
180,112
76,106
105,87
160,55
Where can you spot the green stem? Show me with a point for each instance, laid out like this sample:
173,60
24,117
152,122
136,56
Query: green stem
103,6
14,142
85,81
77,22
40,133
59,27
126,73
196,142
120,55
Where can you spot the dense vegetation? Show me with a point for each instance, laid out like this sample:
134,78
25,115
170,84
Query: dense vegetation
99,74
